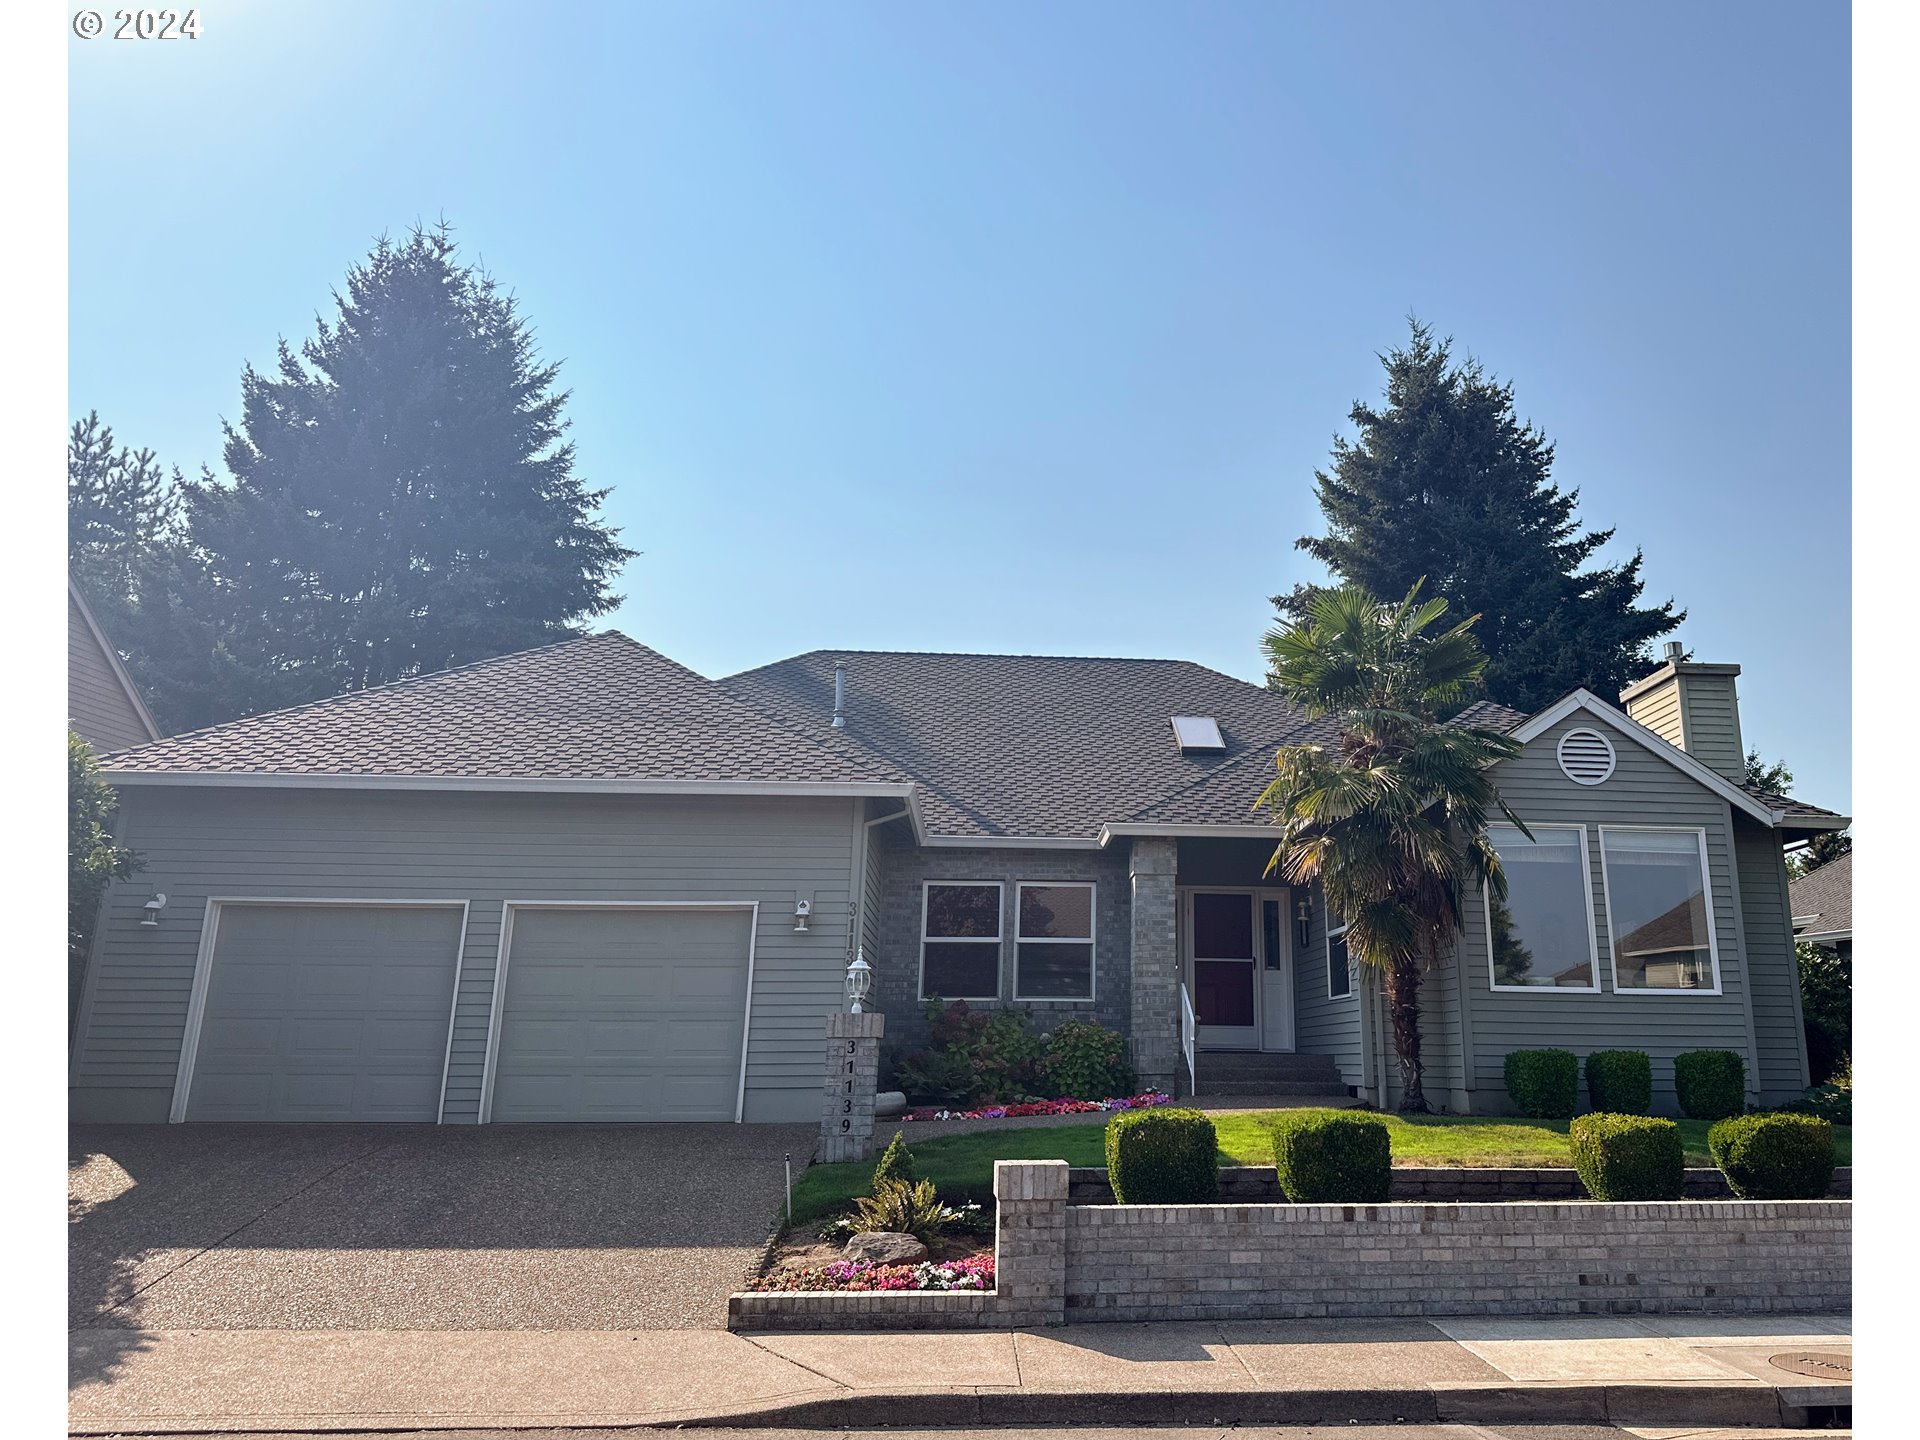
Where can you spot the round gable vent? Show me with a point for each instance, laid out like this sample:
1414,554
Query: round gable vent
1586,756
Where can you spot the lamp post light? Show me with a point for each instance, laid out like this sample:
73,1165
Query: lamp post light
859,980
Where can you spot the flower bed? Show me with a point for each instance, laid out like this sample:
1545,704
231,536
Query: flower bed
975,1272
1023,1108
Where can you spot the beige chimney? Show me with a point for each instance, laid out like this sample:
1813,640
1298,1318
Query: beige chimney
1695,707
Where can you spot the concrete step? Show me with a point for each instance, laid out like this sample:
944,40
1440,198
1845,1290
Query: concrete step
1243,1064
1291,1089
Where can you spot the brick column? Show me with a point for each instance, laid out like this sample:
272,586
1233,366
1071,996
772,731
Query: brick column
853,1074
1156,967
1030,1242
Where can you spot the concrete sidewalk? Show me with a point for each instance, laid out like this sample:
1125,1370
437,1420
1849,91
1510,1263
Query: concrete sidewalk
1651,1371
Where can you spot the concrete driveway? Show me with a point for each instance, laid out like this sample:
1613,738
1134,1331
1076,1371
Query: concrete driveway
400,1227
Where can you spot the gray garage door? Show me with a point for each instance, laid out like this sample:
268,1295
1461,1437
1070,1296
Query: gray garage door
326,1012
622,1015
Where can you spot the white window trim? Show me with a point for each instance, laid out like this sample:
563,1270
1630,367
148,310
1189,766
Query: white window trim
1593,937
1093,934
1699,833
1335,932
999,940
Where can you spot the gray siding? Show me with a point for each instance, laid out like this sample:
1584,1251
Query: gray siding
1659,710
1778,1031
486,849
1713,723
1644,790
896,957
1325,1026
97,703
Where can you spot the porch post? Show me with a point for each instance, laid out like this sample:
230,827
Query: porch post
1155,966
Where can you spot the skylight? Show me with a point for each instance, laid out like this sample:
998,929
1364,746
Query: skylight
1198,732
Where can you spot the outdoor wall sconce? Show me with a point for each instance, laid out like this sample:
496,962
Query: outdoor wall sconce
802,912
859,980
153,907
1303,920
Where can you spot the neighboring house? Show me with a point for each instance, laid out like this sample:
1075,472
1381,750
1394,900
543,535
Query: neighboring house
103,707
1822,905
585,883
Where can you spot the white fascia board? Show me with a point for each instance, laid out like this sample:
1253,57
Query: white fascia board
511,784
1010,842
1586,700
1108,833
1818,936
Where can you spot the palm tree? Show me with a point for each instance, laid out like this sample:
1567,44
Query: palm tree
1391,816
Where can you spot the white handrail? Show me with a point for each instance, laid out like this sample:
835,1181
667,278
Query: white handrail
1189,1029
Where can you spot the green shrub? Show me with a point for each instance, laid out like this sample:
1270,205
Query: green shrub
1085,1061
1620,1082
1163,1157
1333,1157
974,1057
896,1163
1833,1101
1711,1084
1544,1083
914,1210
1774,1157
1628,1157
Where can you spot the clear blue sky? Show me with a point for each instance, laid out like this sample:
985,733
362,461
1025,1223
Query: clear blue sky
1007,327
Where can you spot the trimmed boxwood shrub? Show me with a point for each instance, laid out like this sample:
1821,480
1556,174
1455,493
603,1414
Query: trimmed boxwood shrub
1544,1083
1163,1157
1711,1084
1620,1082
1774,1157
1333,1157
1628,1157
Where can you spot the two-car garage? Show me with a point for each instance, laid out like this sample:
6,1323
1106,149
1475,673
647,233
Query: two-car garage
341,1010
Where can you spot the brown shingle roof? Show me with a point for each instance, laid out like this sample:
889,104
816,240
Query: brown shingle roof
1027,745
1826,895
600,707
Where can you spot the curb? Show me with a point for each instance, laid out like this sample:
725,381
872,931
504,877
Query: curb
1646,1404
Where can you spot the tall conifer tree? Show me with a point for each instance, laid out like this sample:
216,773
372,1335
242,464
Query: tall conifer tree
403,496
1444,482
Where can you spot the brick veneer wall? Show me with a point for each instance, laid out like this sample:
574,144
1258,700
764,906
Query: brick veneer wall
904,869
1062,1262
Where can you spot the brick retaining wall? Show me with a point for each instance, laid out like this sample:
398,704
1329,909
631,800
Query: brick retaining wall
1257,1184
1059,1262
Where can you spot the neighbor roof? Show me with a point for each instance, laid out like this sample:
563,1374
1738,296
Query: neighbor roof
1038,746
602,707
1822,900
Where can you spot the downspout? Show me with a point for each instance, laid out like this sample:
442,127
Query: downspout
1383,1032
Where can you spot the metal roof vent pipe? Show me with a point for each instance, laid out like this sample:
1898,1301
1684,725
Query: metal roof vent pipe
839,694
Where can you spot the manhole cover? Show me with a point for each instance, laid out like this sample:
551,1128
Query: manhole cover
1823,1364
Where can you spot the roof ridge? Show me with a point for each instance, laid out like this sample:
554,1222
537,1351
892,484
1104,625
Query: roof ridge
384,686
827,650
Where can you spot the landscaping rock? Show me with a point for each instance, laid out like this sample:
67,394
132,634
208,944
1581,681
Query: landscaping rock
885,1247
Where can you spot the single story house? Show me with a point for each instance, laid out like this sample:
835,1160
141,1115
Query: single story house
586,883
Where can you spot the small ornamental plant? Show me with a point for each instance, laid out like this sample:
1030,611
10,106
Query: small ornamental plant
1620,1082
1774,1157
896,1164
1544,1083
1163,1157
973,1273
1711,1084
1333,1157
1019,1109
1628,1157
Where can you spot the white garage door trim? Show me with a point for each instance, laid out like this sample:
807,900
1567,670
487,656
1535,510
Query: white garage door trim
203,977
751,907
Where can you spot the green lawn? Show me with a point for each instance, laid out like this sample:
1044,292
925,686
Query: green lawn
961,1166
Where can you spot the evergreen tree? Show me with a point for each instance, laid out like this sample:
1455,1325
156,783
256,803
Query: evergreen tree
94,861
1443,481
403,497
121,508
